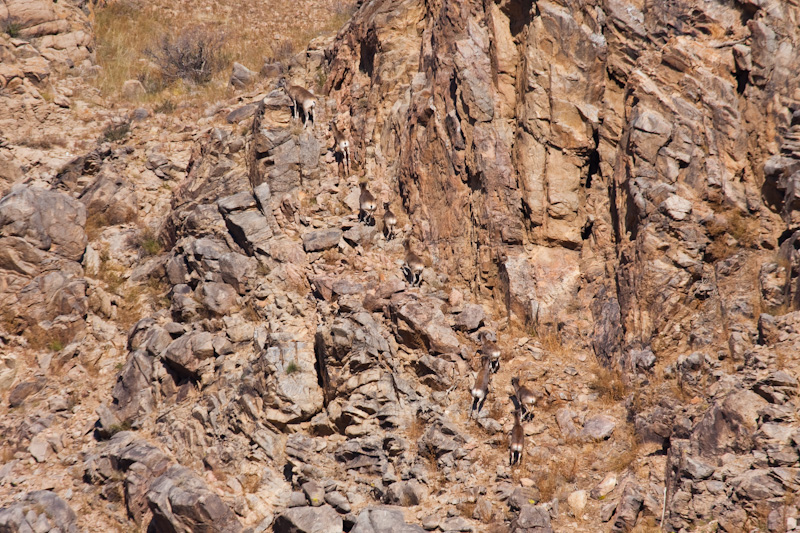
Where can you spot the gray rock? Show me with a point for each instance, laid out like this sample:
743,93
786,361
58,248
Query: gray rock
456,523
383,520
405,493
421,320
132,393
315,494
471,318
140,113
181,501
236,202
323,519
628,508
598,427
729,426
676,207
111,197
219,298
697,469
49,220
564,418
133,89
186,353
297,499
250,230
241,76
22,390
757,484
323,239
41,510
241,113
435,372
39,448
108,423
338,501
532,519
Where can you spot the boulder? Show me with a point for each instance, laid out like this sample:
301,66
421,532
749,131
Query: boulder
316,241
532,519
186,353
405,493
322,519
181,501
41,510
383,520
49,220
241,76
598,427
133,90
420,323
112,198
219,298
133,394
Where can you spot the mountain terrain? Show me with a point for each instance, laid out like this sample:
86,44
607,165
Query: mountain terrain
201,331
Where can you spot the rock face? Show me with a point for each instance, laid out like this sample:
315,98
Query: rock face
179,502
41,510
611,185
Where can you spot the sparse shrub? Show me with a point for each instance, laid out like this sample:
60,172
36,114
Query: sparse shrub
116,132
149,242
12,27
608,383
55,345
292,368
282,50
193,55
166,107
44,142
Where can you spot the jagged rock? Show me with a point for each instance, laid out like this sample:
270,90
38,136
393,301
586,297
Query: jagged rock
314,493
422,324
676,207
577,502
323,519
241,76
132,393
180,501
435,372
187,353
697,469
471,318
323,239
365,455
758,484
39,448
729,426
532,519
219,298
628,508
604,487
383,520
564,418
338,501
41,510
133,89
405,494
22,390
112,198
241,113
49,220
250,230
598,427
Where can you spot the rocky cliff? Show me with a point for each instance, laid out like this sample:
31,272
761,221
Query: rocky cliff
200,334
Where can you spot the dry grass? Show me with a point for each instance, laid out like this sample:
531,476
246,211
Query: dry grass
731,225
558,472
44,142
607,383
147,43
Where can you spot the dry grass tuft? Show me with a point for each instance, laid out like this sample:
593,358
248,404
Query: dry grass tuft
608,383
727,227
44,142
561,470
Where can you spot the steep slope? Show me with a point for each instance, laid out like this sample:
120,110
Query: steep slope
606,188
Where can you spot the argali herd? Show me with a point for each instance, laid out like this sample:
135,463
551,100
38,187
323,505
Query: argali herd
524,399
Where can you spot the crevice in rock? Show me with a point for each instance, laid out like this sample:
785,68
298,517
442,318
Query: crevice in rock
323,378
